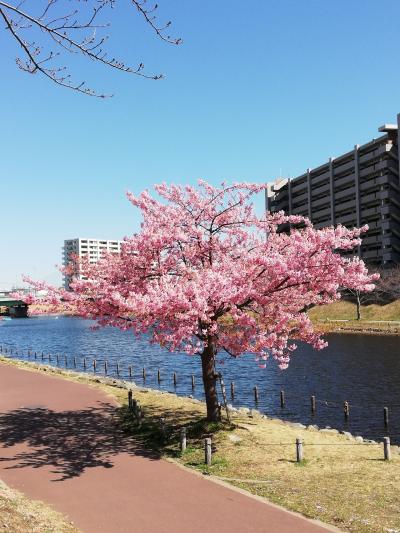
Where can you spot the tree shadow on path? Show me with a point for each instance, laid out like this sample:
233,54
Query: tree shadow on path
68,441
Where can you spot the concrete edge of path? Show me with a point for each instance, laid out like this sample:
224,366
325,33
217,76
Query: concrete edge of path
71,376
244,492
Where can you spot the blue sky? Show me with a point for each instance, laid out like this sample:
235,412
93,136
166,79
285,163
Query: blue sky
257,89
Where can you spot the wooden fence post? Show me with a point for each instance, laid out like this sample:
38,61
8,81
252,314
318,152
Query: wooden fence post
84,363
144,373
139,415
158,376
207,451
94,365
118,369
183,440
129,399
255,394
106,367
232,390
174,377
346,409
386,448
386,415
299,450
130,371
193,382
282,398
313,405
162,428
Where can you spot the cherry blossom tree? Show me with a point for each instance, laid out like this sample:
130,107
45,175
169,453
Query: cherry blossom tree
206,275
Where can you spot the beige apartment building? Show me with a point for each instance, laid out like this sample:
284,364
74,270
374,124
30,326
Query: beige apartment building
92,248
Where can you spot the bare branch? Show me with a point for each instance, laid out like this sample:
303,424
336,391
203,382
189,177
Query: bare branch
73,31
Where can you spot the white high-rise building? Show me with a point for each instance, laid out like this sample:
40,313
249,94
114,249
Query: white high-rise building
92,248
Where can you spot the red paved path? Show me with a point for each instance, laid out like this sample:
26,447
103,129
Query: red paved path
58,444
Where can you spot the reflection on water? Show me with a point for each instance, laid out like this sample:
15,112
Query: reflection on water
361,369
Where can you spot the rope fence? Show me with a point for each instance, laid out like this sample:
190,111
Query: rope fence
299,444
102,365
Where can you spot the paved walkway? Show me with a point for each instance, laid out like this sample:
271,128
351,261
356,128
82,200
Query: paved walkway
58,444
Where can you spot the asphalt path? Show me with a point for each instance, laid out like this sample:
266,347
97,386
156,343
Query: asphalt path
59,444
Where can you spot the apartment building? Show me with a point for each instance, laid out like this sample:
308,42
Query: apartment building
359,187
92,248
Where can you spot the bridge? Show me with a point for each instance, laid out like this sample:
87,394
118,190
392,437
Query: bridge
11,307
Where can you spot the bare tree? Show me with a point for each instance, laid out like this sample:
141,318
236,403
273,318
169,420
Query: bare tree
388,285
48,29
359,298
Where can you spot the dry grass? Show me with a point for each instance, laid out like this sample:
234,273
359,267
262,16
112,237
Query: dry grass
340,482
21,515
328,317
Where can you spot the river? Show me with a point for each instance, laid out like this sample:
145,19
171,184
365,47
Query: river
363,370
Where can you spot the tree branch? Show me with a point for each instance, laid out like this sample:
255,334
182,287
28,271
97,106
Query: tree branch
61,28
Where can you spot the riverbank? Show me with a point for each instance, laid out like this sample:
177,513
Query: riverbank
340,317
341,481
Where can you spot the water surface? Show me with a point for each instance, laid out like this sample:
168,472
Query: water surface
361,369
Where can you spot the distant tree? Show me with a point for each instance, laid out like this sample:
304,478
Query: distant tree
388,286
359,297
46,29
206,275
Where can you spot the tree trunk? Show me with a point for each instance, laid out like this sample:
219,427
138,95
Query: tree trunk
210,382
358,307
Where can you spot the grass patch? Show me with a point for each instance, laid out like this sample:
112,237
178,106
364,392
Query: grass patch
20,515
328,317
340,481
